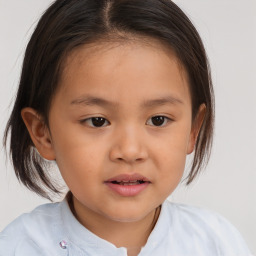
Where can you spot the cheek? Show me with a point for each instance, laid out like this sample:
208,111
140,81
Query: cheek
72,144
172,152
172,168
78,157
80,170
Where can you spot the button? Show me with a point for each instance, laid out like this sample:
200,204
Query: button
63,244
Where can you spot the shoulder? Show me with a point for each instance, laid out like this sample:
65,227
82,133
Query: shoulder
26,234
207,229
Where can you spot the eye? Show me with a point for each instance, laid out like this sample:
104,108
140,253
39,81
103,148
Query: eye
96,121
158,120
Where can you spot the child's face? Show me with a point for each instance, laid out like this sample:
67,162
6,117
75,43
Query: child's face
125,110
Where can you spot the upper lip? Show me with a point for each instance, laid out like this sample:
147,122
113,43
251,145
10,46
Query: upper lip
128,178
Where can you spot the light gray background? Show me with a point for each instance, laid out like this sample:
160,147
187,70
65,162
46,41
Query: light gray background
228,29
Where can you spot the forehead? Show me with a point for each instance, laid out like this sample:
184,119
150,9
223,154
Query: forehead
122,66
90,53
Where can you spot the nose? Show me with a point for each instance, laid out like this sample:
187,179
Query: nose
129,146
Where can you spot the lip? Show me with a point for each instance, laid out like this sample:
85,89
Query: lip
128,177
128,190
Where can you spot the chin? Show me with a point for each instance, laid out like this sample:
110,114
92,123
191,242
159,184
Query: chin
128,215
126,219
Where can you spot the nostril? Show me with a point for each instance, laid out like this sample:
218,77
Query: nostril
133,160
127,154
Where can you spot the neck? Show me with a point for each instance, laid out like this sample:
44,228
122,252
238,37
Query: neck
131,235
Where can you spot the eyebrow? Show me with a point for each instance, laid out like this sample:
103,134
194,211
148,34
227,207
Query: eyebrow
92,101
162,101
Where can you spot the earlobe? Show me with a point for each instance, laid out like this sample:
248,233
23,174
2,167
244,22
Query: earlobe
196,126
39,133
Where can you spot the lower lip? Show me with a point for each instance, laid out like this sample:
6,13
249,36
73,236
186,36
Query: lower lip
127,190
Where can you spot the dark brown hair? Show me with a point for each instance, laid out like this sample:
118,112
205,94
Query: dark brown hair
67,24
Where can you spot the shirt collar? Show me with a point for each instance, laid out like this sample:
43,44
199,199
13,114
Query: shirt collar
159,234
80,237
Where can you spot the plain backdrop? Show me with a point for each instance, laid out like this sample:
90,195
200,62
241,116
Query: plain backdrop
228,29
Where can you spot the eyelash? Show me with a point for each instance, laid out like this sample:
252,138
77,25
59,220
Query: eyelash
89,121
166,120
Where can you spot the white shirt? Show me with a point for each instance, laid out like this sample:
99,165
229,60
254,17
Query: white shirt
52,230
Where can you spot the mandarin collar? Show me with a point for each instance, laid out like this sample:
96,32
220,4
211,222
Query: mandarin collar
77,237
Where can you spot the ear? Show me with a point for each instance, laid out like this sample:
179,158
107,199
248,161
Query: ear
196,126
39,133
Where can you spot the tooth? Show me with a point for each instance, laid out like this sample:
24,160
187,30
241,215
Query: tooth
128,182
131,183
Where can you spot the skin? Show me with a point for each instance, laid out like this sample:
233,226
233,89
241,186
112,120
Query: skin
131,77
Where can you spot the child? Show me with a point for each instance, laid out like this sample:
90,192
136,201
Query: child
117,92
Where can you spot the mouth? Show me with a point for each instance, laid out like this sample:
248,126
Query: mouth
128,179
128,185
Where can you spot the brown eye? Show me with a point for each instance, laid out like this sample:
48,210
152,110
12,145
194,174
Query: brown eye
96,122
158,120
